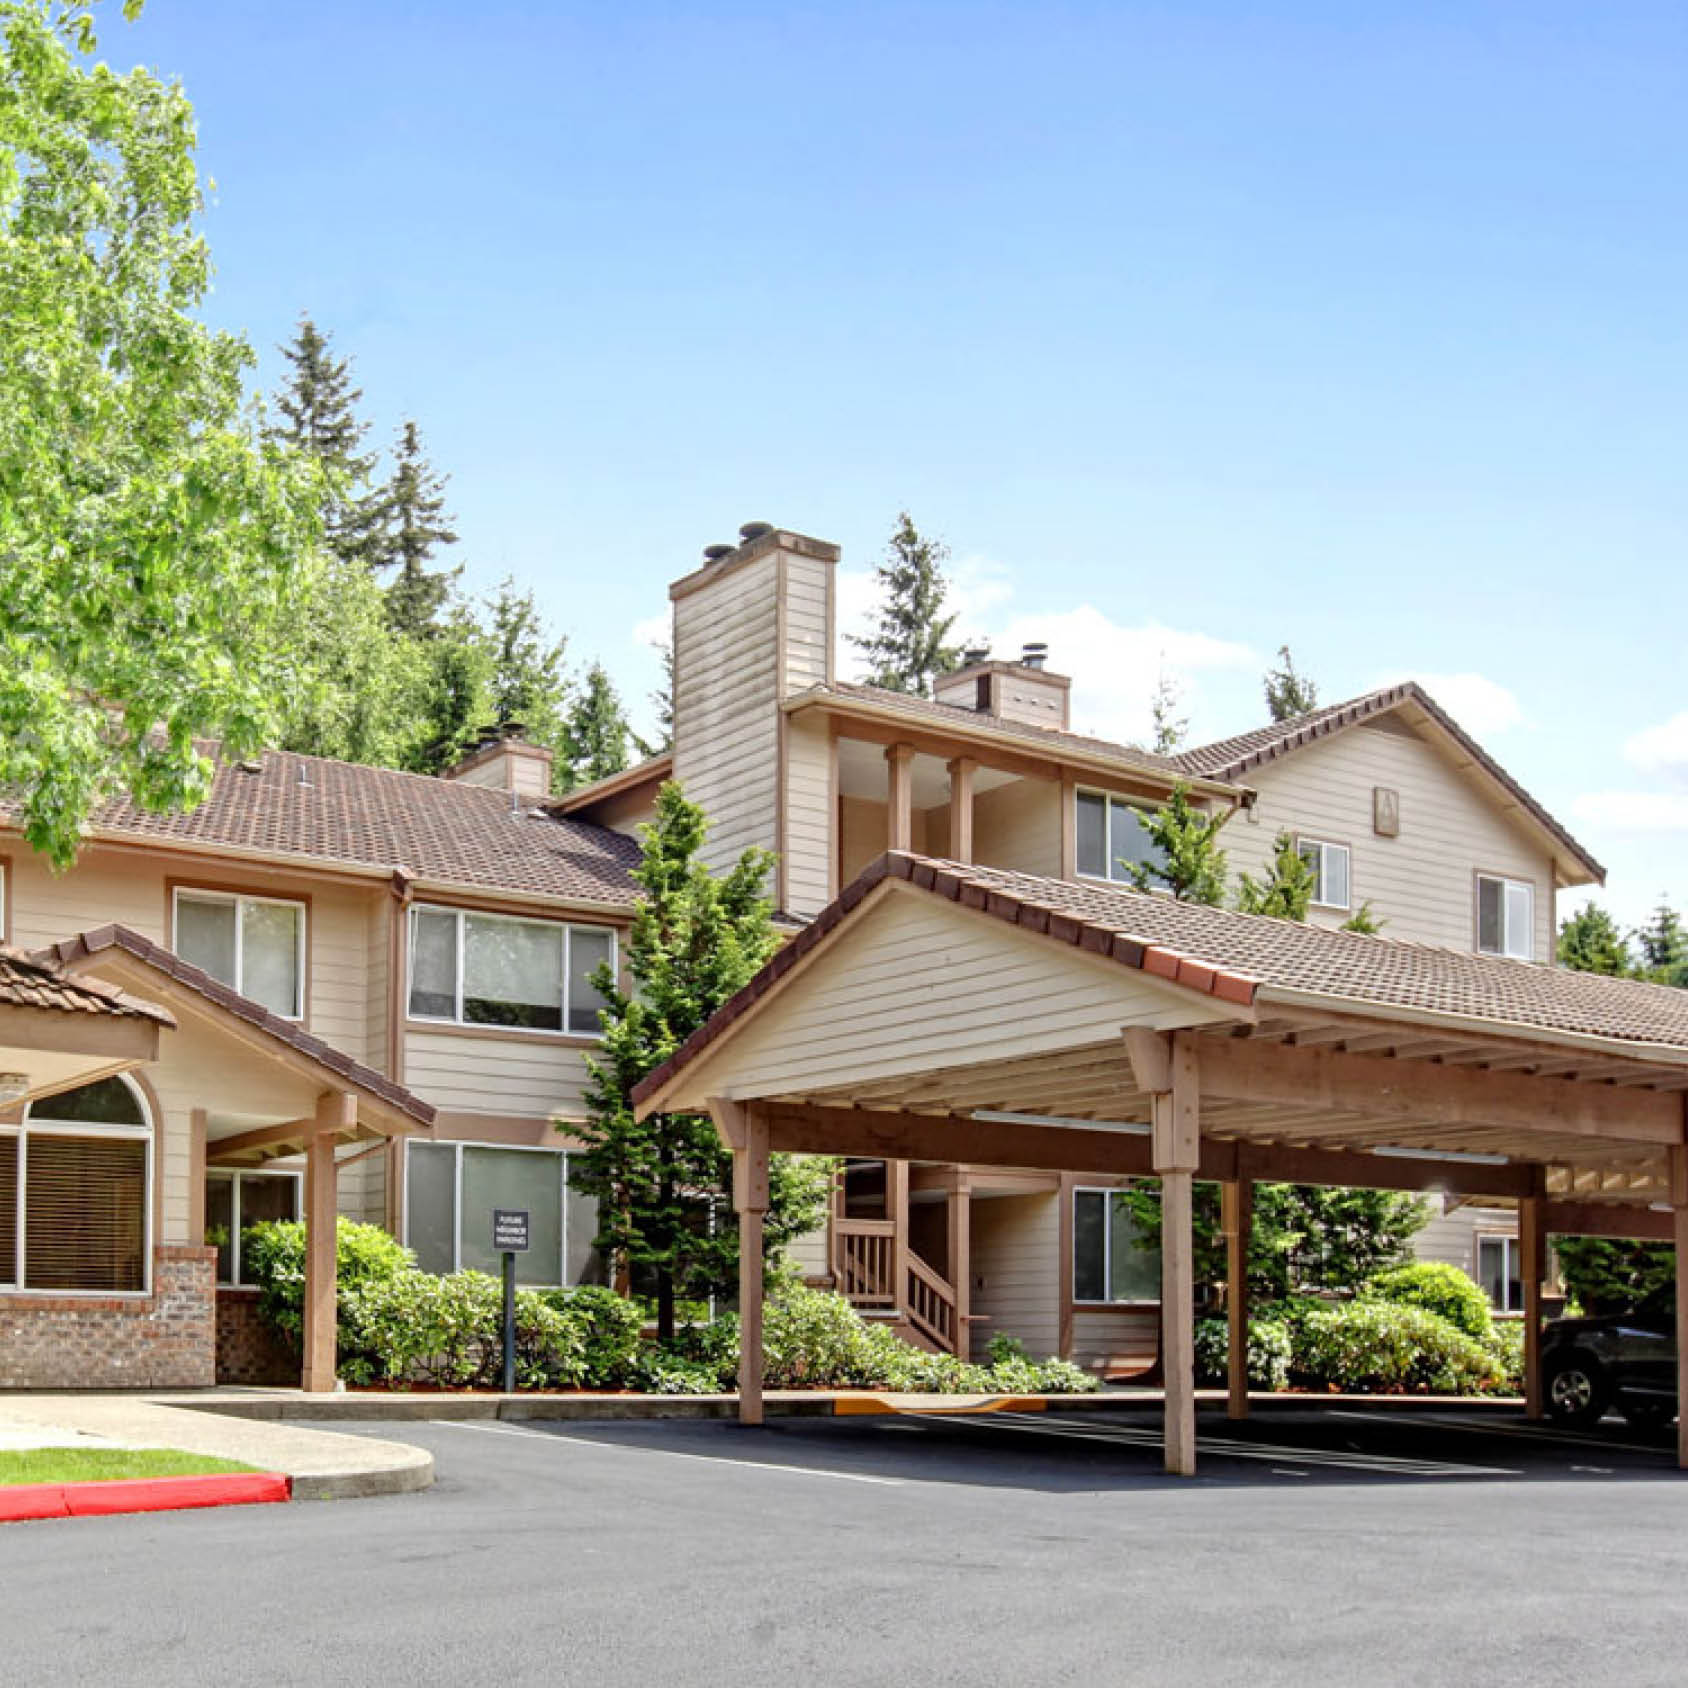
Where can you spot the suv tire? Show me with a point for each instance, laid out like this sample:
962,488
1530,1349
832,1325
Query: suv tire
1578,1390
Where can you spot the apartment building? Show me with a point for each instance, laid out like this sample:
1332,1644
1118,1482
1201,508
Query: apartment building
379,982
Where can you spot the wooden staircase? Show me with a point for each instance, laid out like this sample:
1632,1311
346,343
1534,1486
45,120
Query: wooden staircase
885,1279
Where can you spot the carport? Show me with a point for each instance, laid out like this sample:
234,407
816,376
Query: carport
947,1013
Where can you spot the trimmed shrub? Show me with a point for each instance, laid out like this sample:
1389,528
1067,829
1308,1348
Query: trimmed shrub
1377,1347
1506,1349
1268,1353
611,1328
273,1254
1438,1288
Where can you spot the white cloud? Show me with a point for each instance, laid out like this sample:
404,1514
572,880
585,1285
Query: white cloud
1629,813
1483,707
655,631
1662,749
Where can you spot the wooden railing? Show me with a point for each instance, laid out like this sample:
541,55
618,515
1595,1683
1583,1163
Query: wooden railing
929,1305
863,1262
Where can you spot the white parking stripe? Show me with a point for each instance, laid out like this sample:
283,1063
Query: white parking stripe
1541,1432
674,1453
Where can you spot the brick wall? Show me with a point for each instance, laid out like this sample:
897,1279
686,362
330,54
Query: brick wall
248,1349
166,1340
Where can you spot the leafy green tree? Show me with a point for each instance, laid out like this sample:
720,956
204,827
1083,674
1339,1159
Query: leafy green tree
318,404
1591,942
153,544
1663,944
1289,693
455,694
1364,920
910,643
1287,892
598,736
1187,860
663,1185
528,682
1170,729
414,527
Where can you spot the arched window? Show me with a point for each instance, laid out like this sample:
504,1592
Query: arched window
75,1177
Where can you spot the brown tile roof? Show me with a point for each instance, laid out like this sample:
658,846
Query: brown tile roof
33,981
334,1061
1234,758
441,831
938,714
1234,957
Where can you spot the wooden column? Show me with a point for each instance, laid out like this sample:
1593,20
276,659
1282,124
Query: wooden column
959,1262
1532,1268
1166,1067
896,1210
750,1200
1679,1228
198,1124
336,1111
899,804
961,772
1236,1208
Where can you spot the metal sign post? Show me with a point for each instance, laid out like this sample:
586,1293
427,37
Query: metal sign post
510,1238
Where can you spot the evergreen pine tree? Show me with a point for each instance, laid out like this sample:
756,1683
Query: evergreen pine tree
455,701
1664,947
664,1207
1363,920
597,737
662,701
1187,859
1590,942
1289,693
415,526
909,645
1287,891
319,404
527,682
1170,728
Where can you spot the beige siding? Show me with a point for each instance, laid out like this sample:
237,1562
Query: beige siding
810,1254
1452,1233
1422,883
920,981
104,887
808,623
1018,827
1115,1339
807,847
1016,1243
531,1076
726,707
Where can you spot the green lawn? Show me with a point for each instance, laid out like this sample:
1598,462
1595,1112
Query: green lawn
84,1465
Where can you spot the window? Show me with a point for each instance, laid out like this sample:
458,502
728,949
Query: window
494,970
234,1203
1329,863
255,945
1497,1272
449,1194
1110,1262
1110,835
1505,917
74,1177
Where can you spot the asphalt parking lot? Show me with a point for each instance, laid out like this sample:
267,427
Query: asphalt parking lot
1316,1546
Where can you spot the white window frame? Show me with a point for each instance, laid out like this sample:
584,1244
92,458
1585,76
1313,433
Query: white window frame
1508,885
1320,873
563,1167
1110,801
211,894
238,1176
21,1131
1107,1251
462,915
1512,1266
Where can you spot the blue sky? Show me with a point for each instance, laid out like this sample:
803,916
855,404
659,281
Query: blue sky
1193,329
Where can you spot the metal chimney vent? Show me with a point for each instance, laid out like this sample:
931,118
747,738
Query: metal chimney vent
1034,655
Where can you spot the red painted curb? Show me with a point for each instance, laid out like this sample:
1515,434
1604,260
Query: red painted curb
19,1501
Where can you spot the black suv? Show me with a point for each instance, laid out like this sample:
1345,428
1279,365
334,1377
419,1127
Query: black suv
1622,1360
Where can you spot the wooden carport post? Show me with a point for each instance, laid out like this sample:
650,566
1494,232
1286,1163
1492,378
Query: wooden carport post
1165,1067
746,1130
336,1111
1532,1268
1679,1228
1236,1218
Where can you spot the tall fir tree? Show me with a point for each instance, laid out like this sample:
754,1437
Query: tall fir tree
1590,941
455,695
528,680
1287,891
1289,693
662,701
909,645
318,404
598,738
663,1184
1170,729
414,528
1663,944
1187,859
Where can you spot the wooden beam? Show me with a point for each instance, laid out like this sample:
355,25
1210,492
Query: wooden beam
1236,1218
896,1210
286,1134
1150,1053
1323,1081
334,1111
958,1260
1605,1219
196,1177
126,1040
899,806
750,1199
1178,1322
1177,1117
961,771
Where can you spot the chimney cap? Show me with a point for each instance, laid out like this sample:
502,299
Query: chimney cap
714,553
974,655
1034,654
754,530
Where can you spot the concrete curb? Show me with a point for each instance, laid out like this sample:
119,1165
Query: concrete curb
27,1502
